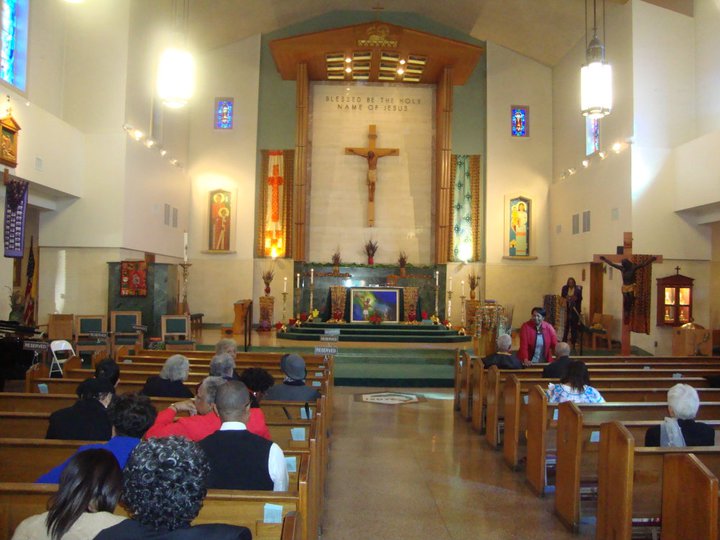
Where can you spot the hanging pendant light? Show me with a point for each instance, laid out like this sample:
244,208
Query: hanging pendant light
176,69
596,75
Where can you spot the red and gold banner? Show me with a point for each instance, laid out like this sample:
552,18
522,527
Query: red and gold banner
277,185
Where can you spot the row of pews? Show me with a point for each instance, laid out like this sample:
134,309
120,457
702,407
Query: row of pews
592,456
302,432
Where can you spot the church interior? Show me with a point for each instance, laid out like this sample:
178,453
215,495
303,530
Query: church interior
314,156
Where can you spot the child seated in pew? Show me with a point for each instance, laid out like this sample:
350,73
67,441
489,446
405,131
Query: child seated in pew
680,429
574,386
84,503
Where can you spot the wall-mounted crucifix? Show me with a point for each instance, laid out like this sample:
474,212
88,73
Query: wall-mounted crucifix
625,262
371,153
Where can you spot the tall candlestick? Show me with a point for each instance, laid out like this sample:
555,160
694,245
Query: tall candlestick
297,280
462,288
185,246
312,276
437,277
450,283
449,309
284,284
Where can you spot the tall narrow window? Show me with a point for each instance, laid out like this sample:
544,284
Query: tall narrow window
13,42
592,135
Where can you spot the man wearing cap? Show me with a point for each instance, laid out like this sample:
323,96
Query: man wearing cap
238,458
293,387
86,419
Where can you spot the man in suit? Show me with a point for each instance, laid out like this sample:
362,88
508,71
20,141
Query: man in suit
87,418
558,368
240,459
503,358
293,387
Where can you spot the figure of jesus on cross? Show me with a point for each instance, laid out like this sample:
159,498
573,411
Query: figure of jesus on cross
372,154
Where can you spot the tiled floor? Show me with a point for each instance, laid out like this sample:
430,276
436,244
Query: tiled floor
418,471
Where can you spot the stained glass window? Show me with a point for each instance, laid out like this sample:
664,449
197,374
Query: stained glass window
519,120
592,135
13,41
224,110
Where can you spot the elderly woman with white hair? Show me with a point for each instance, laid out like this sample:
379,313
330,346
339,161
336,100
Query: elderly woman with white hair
170,382
680,428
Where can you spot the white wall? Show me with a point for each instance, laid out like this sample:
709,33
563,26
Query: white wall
224,160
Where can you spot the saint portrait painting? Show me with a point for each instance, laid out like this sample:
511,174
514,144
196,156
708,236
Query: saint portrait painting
220,215
519,227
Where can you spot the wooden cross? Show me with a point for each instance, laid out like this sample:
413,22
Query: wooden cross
372,154
616,259
275,181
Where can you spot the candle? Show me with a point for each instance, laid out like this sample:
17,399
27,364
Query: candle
462,288
185,246
450,284
284,284
437,278
297,280
449,309
312,276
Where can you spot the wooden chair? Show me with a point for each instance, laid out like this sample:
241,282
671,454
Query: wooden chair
85,327
600,328
177,332
122,331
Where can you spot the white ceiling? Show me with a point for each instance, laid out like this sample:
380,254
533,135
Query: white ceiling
544,30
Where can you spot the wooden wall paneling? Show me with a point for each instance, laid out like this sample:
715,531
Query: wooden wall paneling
300,200
443,155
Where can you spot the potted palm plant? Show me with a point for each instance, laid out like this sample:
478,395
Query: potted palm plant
371,248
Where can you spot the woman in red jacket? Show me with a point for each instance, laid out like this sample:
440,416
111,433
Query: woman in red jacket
537,339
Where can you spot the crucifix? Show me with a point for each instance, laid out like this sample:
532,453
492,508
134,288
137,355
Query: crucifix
623,261
275,181
372,154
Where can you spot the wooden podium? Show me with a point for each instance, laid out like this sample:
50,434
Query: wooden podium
691,340
242,325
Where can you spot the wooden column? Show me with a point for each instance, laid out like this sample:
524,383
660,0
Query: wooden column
443,152
300,199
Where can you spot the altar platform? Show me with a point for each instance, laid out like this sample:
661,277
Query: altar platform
377,333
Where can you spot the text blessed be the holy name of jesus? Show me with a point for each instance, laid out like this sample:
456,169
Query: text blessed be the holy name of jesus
373,103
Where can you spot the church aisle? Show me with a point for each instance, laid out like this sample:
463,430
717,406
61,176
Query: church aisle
418,471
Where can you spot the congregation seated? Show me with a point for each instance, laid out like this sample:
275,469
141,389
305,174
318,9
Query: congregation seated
574,386
238,458
203,419
83,505
130,415
258,381
293,388
156,469
680,428
503,358
558,368
223,365
108,369
170,382
87,418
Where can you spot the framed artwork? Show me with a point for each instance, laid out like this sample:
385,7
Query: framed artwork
133,278
220,221
520,121
9,141
365,303
518,227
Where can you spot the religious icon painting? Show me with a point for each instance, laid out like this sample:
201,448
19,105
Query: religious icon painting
224,112
220,218
520,121
519,226
133,278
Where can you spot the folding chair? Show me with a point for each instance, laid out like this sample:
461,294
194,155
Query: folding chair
57,346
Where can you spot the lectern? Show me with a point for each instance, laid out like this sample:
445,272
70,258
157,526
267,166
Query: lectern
242,325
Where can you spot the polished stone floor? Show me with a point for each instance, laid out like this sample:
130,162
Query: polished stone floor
418,471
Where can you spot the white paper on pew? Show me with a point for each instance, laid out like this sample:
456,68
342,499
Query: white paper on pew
646,367
595,437
316,383
304,413
318,373
272,513
127,361
291,463
297,433
43,388
556,413
677,375
526,399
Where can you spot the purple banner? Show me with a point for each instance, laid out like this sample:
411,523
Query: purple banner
16,196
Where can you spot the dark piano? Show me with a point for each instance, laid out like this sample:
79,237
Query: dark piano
14,358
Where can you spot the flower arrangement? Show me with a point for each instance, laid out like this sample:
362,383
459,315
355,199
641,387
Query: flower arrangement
371,248
336,260
303,317
473,281
402,259
375,319
267,277
424,314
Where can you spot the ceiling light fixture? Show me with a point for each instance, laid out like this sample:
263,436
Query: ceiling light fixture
596,75
176,70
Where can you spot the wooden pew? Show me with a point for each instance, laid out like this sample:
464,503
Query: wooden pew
516,396
578,443
630,480
689,499
260,359
21,500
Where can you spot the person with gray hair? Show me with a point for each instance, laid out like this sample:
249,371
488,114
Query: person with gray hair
171,381
226,345
223,365
240,459
680,428
503,358
558,368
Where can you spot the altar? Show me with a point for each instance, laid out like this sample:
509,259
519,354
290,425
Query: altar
372,304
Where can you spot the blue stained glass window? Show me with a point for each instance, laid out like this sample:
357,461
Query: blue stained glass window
224,110
592,135
519,121
13,42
